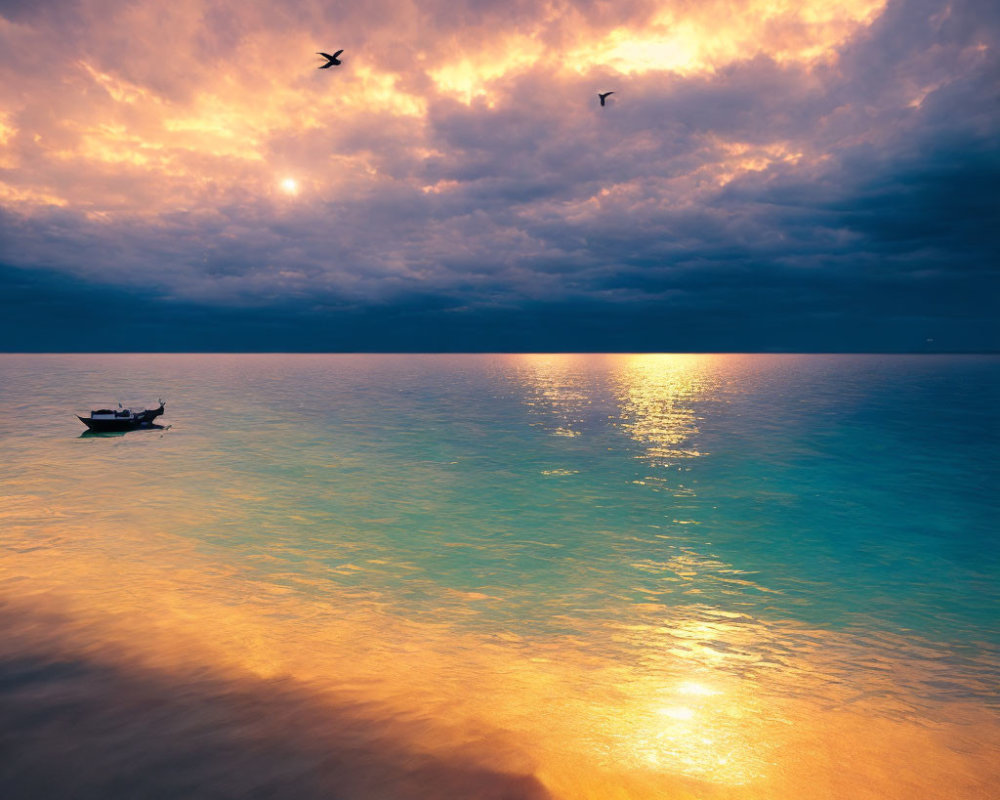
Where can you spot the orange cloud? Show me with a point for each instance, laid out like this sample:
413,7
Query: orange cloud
193,100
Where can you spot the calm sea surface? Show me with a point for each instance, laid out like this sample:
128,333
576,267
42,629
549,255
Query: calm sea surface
508,576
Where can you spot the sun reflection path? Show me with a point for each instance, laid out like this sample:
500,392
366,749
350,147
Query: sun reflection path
657,394
716,737
681,696
692,704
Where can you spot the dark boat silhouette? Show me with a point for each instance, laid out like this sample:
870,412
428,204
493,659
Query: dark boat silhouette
122,419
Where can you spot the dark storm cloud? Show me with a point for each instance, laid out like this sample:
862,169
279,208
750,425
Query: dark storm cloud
717,308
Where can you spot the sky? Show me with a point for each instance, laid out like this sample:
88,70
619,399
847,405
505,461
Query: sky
769,175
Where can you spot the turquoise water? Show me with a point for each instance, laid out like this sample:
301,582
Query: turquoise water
790,526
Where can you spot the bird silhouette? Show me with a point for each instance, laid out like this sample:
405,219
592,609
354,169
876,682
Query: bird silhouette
604,95
331,61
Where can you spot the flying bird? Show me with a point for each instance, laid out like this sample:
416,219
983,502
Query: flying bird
331,61
604,95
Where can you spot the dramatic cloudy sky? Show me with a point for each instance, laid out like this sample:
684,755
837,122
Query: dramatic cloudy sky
769,174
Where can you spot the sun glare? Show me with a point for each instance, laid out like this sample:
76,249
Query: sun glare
290,186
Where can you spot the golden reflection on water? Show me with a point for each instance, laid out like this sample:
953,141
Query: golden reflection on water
697,716
555,387
716,696
656,394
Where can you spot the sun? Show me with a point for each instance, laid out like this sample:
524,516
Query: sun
290,186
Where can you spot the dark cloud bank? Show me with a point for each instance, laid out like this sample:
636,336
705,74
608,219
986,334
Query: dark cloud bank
47,313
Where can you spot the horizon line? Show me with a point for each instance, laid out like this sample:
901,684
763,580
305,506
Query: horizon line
498,352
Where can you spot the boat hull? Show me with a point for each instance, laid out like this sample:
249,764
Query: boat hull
111,425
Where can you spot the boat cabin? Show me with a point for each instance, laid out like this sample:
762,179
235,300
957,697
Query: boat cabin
107,413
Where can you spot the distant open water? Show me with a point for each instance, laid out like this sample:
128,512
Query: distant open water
501,576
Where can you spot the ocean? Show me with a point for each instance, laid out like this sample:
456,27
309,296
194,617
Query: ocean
501,576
